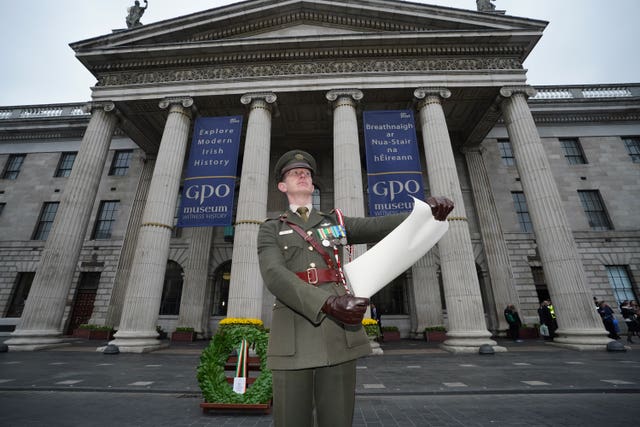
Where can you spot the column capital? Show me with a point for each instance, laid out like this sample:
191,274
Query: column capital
425,92
107,106
508,91
268,97
184,101
335,94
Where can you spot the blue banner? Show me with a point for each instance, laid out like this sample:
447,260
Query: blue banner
210,178
393,162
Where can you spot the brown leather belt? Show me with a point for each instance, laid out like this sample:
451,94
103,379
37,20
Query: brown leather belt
315,276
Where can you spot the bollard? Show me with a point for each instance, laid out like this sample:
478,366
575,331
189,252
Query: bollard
486,349
111,349
616,346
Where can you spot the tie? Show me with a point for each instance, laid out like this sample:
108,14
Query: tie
303,211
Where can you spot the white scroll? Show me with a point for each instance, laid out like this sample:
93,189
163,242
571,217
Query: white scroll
394,254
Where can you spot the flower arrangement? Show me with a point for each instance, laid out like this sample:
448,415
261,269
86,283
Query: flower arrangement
235,321
211,371
371,327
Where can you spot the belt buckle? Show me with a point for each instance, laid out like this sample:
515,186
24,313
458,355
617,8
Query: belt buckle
312,275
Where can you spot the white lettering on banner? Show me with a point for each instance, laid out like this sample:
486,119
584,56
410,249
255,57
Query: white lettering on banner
215,131
393,188
387,158
203,192
210,162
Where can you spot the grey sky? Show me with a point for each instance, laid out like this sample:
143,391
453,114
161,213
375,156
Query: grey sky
587,41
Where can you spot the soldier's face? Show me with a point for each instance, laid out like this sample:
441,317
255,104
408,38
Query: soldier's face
297,181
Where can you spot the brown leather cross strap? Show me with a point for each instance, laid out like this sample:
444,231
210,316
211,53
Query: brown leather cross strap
312,242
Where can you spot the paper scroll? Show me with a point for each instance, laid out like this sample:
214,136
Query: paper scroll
394,254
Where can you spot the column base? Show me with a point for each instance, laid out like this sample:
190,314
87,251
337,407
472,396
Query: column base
136,342
376,350
469,345
28,340
581,339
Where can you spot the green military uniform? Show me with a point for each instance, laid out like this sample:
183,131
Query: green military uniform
302,336
312,355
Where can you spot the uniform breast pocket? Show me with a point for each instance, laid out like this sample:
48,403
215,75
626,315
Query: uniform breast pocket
292,247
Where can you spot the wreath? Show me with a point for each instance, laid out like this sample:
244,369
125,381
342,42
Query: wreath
211,376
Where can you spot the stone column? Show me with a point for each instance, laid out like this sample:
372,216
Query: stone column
137,333
427,308
580,327
347,171
40,325
246,286
128,247
194,288
495,247
467,329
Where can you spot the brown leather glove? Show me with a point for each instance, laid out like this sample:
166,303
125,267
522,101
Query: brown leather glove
346,308
440,207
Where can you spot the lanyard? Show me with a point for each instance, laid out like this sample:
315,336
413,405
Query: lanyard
336,252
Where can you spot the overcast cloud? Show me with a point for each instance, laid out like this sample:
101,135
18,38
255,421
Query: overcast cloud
586,42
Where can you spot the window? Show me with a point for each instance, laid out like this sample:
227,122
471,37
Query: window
315,198
522,211
632,145
222,277
172,290
106,218
392,298
176,231
540,283
120,163
65,164
594,208
2,208
506,153
48,214
20,293
12,168
620,281
573,151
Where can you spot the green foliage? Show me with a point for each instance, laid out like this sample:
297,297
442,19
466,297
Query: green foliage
211,376
184,329
372,330
435,329
95,327
390,329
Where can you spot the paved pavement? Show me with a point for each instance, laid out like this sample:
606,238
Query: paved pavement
412,384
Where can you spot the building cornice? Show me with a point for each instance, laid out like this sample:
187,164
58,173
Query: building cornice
305,68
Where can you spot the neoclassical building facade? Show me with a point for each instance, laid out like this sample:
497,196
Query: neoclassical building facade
545,180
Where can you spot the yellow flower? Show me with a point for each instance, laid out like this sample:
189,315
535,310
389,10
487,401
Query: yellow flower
367,322
241,321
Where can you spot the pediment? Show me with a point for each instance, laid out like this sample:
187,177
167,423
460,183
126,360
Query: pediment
283,19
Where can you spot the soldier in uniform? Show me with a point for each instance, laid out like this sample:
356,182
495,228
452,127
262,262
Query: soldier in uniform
316,332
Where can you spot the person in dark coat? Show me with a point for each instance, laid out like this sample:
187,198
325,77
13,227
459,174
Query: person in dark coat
513,319
547,319
630,319
316,331
606,312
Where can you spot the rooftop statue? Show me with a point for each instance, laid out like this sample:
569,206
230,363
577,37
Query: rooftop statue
135,13
485,5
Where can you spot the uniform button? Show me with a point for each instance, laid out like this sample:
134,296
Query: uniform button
309,233
285,248
310,248
312,265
